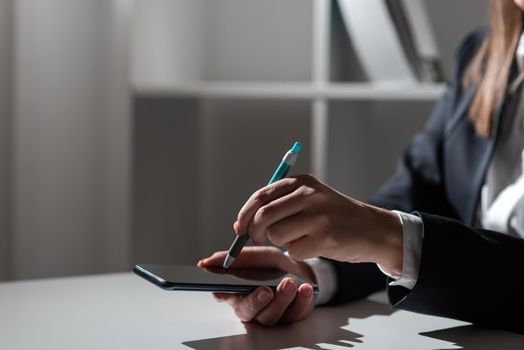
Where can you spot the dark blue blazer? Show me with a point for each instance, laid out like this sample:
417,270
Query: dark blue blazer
465,272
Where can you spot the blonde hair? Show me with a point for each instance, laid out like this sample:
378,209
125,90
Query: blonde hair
490,67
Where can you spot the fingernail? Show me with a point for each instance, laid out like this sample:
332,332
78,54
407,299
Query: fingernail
289,287
306,290
263,296
235,227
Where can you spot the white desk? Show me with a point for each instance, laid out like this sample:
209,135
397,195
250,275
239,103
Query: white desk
123,311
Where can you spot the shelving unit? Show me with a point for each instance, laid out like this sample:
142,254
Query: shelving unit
244,78
319,90
295,91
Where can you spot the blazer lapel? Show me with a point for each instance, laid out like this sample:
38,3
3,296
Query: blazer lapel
466,159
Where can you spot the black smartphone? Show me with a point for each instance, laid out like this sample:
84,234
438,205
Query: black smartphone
214,279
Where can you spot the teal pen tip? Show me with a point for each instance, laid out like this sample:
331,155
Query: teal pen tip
296,147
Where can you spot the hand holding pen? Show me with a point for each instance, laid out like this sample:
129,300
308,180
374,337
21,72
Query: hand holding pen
287,162
311,219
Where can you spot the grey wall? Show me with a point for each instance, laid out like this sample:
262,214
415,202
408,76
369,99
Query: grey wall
160,58
242,143
165,177
195,163
452,20
5,136
185,40
71,137
258,40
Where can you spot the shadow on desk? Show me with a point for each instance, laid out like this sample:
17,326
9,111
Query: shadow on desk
325,326
363,325
469,337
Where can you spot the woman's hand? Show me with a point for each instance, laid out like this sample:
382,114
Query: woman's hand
289,303
312,220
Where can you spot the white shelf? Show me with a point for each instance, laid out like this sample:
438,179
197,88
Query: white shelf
368,91
296,91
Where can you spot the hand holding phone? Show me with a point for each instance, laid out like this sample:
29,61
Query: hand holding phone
289,302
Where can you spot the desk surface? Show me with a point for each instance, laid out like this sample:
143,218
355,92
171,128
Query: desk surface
122,311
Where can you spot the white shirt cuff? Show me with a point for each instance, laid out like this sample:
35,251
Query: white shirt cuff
326,279
412,235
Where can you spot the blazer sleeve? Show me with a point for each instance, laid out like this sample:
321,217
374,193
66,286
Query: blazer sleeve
482,284
417,182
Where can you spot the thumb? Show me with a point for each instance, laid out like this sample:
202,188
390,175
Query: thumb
217,259
266,257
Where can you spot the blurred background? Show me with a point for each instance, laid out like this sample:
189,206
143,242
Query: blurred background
134,130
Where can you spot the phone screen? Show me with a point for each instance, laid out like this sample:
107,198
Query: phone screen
215,279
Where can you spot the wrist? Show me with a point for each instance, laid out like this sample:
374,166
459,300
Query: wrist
391,256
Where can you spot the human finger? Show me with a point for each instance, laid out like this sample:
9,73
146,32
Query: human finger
249,257
271,213
284,295
304,248
216,259
247,307
262,197
230,298
292,228
302,305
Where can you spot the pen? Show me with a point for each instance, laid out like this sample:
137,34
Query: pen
287,162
